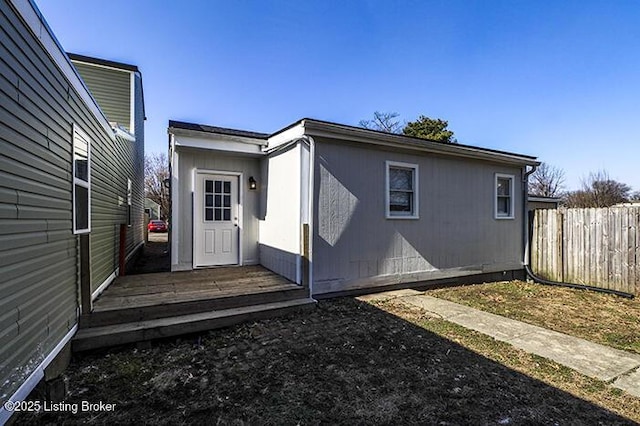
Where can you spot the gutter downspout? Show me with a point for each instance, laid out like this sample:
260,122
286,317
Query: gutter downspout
528,234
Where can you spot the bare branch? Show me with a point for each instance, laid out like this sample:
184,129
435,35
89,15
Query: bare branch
547,181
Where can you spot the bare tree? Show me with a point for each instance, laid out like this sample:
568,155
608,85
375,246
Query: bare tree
156,171
598,190
635,196
547,181
383,122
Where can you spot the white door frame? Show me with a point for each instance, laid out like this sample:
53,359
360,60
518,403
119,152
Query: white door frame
194,179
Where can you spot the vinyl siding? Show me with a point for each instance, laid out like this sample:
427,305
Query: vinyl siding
189,161
38,251
111,88
456,233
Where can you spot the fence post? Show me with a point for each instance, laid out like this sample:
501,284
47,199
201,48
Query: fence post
561,243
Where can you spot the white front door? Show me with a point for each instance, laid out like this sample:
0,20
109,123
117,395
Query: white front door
215,219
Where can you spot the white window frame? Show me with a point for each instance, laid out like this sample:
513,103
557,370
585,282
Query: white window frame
79,182
416,205
129,203
511,179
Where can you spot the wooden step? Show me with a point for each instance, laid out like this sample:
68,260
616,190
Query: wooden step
167,307
118,334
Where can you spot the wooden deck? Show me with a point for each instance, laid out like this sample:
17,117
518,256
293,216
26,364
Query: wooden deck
148,306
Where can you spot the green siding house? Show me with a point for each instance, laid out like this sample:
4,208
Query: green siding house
71,183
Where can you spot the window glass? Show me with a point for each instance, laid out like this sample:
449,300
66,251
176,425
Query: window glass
400,201
401,179
82,183
504,197
81,205
401,191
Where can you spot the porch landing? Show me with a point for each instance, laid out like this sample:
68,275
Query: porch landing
148,306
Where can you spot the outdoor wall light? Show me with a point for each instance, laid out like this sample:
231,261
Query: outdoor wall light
252,183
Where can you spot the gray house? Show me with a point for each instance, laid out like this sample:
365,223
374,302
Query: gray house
71,179
342,209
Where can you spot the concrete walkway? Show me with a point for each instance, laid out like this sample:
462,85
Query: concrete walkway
619,368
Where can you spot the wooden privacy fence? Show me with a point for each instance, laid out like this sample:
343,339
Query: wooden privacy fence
596,247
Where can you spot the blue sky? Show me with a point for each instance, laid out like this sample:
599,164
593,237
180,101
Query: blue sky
555,79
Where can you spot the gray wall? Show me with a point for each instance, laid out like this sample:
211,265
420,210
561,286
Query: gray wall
280,218
191,159
456,233
111,89
38,251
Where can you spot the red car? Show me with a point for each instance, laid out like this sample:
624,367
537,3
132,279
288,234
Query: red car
157,226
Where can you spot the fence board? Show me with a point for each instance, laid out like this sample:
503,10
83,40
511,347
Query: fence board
597,247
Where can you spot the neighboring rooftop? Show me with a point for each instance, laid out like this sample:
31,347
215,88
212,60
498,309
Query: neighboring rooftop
103,62
214,129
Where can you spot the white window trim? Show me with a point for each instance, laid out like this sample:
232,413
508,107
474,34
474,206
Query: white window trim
81,182
416,192
512,179
129,203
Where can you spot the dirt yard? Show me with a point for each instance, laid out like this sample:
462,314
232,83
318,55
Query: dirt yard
347,362
155,255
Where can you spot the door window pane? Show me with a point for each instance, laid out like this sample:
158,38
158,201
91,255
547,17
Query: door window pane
218,198
208,214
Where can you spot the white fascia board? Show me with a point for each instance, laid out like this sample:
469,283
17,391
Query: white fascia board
225,143
332,131
123,133
132,103
285,136
39,27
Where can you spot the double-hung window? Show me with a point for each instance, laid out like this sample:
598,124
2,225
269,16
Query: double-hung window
504,196
81,182
401,191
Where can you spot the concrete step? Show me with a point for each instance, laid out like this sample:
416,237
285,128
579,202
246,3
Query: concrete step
118,334
168,308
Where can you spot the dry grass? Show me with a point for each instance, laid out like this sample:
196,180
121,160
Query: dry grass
601,318
547,371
